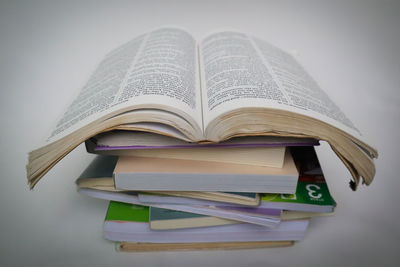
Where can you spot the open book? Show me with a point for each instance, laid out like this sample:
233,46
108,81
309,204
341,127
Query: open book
228,84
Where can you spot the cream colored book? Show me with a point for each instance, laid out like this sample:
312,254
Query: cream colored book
258,156
301,215
145,247
159,174
98,175
227,84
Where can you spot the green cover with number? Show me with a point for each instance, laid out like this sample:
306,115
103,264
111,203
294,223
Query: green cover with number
309,191
312,193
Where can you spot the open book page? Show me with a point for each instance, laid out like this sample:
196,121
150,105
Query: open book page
158,70
244,72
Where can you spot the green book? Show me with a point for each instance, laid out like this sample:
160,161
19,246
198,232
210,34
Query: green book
119,211
312,193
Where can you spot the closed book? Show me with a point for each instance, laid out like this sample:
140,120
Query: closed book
127,222
258,156
265,217
164,219
157,174
312,192
144,247
200,198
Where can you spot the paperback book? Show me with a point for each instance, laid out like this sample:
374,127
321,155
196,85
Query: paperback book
144,247
127,222
113,142
157,174
266,217
200,198
312,192
229,84
163,219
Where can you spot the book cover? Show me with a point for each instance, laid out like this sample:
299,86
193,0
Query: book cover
119,211
312,193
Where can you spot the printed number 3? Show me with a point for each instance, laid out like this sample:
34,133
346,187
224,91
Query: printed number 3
311,188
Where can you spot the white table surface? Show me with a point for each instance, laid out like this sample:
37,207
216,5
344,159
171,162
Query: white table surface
49,48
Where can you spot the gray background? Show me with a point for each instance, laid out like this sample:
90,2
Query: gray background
49,48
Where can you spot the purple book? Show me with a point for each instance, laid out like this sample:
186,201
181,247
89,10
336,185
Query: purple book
260,216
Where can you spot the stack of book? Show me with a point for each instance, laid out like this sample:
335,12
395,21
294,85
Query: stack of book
204,143
168,195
